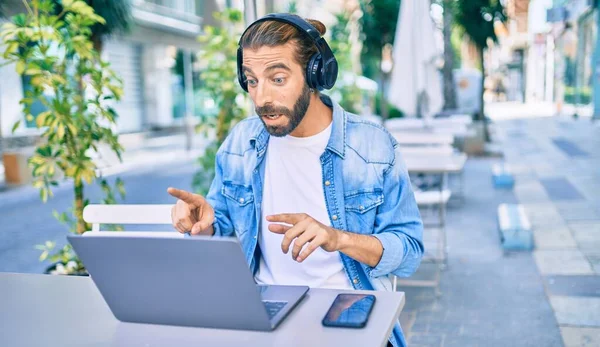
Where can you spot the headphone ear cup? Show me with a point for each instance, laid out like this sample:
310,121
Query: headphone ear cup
313,71
330,74
240,73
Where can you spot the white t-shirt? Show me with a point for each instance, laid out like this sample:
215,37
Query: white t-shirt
294,184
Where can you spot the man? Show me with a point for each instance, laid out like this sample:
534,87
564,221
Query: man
317,196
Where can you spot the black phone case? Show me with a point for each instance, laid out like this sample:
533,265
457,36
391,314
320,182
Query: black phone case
346,325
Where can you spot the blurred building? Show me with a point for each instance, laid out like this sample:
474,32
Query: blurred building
150,59
507,70
574,30
548,52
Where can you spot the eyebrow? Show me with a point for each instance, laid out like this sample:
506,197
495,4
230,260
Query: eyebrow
269,68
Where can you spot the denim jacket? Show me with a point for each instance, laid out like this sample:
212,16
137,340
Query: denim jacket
367,191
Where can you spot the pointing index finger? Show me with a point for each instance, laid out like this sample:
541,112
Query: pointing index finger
187,197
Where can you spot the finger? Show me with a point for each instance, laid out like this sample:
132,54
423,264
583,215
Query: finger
186,224
317,242
308,235
181,227
291,234
279,228
187,197
205,221
176,227
197,229
289,218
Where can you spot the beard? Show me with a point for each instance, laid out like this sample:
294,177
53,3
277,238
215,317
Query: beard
294,116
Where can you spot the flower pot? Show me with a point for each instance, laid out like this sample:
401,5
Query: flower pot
59,268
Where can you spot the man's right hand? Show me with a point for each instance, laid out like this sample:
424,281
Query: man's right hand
192,213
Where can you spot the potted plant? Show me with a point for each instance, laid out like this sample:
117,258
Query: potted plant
76,88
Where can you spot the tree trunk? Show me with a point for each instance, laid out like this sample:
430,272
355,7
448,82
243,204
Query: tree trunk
81,227
449,90
98,44
481,115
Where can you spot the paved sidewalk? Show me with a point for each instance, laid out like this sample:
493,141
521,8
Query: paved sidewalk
140,151
548,297
558,182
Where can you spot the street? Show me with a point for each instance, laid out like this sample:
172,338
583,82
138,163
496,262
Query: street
25,221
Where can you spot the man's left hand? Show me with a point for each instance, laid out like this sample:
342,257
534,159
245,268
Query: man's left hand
303,229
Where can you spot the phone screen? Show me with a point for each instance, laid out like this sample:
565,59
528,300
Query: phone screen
349,310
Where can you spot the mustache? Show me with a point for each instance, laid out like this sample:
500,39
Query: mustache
271,109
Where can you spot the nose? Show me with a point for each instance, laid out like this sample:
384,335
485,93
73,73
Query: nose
262,94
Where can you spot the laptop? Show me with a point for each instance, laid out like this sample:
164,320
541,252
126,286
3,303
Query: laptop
166,278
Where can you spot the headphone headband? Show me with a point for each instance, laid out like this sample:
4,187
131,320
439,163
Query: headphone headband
321,69
290,19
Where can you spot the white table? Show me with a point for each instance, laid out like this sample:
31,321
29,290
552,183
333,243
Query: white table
47,310
422,138
435,163
412,123
438,164
426,150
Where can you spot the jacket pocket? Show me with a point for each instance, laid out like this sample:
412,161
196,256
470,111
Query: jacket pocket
361,209
240,203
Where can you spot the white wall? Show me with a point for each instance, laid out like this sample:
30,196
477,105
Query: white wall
536,89
125,60
157,85
11,92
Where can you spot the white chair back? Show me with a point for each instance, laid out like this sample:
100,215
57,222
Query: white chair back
126,214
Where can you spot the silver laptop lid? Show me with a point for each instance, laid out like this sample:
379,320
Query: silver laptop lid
198,281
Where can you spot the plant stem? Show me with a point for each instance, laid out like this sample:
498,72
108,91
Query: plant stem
27,6
81,227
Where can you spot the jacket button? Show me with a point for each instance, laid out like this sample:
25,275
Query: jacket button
242,200
327,183
334,217
355,281
361,207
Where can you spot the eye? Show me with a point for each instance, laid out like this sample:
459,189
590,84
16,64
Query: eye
279,80
251,82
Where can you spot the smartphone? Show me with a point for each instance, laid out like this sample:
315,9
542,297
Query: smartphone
349,311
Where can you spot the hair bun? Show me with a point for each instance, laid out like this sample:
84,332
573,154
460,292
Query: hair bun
318,25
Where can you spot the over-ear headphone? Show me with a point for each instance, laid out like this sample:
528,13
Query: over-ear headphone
322,67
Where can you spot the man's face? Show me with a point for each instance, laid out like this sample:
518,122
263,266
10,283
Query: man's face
277,87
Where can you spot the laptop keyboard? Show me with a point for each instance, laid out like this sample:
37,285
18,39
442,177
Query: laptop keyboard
273,307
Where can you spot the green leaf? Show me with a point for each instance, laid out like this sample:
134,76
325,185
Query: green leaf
44,194
12,48
60,132
8,26
20,67
15,126
41,118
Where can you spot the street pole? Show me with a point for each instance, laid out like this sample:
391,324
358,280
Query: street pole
249,11
385,68
188,86
596,68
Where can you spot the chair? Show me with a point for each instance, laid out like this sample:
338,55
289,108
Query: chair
126,214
